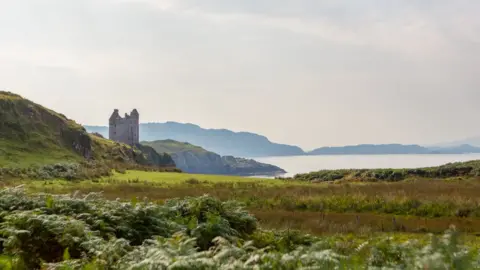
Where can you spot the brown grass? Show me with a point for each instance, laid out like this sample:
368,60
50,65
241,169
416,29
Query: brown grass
421,189
329,223
257,196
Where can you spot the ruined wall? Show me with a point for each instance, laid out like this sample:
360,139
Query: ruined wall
124,129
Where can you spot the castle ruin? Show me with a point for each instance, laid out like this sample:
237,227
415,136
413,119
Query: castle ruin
125,129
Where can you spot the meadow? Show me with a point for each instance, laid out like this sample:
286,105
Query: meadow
45,231
414,206
132,219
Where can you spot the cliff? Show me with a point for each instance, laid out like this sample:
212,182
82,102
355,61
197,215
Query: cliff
194,159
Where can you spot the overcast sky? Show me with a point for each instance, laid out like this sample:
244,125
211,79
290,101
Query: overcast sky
305,72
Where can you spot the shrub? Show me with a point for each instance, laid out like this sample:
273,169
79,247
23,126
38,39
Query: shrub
71,232
460,169
192,181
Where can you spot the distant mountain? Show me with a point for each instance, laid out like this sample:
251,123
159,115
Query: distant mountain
194,159
371,149
393,149
221,141
459,149
473,141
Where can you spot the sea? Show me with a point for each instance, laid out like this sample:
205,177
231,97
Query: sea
304,164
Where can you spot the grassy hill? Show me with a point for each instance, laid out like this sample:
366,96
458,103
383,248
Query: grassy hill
31,134
194,159
171,147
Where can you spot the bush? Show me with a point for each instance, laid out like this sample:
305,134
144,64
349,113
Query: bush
77,171
192,181
460,169
32,236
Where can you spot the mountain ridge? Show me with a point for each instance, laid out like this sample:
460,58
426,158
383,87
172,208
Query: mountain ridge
247,144
473,141
370,149
221,141
385,149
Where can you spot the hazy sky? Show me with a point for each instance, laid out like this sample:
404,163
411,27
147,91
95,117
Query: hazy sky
304,72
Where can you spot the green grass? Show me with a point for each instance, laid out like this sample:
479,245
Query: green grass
164,180
8,95
319,208
171,146
385,222
32,135
13,154
181,178
47,231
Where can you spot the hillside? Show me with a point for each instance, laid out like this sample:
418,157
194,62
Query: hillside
194,159
31,134
221,141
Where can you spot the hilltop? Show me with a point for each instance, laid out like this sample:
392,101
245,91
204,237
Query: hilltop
194,159
221,141
31,134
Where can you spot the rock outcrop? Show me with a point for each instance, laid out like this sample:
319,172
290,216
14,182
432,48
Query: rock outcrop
193,159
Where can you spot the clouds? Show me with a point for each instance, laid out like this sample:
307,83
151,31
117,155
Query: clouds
393,71
383,24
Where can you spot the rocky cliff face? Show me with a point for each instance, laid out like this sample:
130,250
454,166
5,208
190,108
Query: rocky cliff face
150,157
250,167
206,163
211,163
193,159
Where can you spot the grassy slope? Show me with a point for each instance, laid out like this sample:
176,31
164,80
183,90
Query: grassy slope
14,155
171,146
31,134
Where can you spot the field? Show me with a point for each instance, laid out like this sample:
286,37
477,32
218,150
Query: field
342,224
317,208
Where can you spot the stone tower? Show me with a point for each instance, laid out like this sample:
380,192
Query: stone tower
125,129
